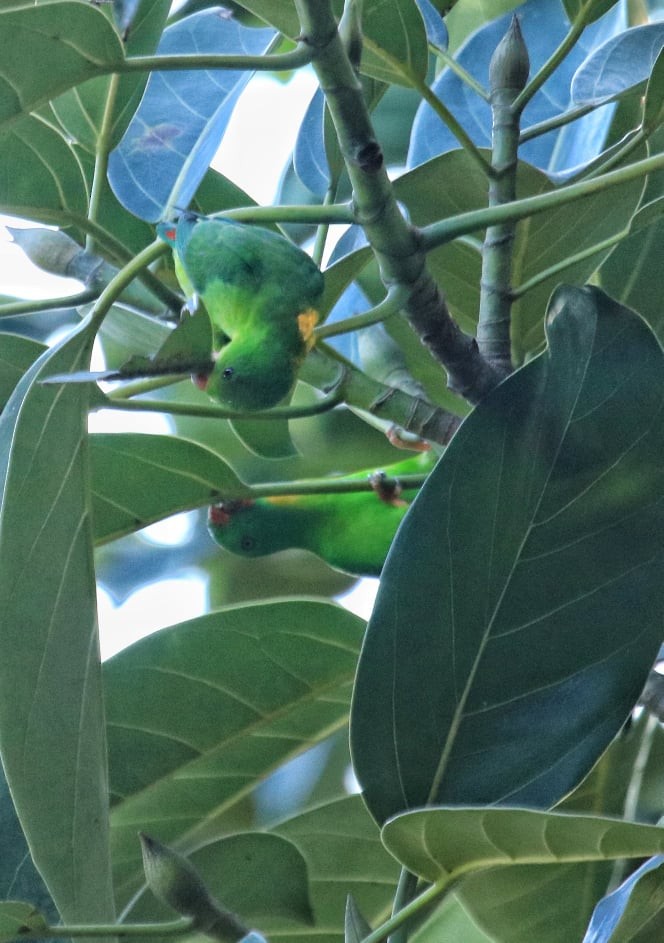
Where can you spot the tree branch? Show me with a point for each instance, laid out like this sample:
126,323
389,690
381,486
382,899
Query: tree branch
396,244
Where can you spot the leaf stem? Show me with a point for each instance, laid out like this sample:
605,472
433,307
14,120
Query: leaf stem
433,893
404,894
124,278
172,928
557,121
47,304
279,62
204,411
438,234
463,74
566,263
393,240
101,156
319,214
394,300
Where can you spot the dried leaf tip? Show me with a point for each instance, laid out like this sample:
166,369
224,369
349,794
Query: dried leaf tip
510,65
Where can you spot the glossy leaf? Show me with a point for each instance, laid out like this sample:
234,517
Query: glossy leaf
544,26
40,175
138,479
198,714
70,41
634,911
621,65
653,107
517,614
182,117
51,713
435,843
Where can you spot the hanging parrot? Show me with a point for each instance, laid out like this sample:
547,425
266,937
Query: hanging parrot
260,292
351,531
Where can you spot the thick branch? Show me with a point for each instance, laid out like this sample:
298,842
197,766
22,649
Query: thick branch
395,243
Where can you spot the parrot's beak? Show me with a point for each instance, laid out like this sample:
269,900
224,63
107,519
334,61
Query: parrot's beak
221,514
200,380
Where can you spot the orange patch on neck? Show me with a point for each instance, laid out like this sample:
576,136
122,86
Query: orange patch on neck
306,322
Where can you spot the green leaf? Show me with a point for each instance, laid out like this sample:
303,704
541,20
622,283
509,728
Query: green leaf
620,66
17,918
51,713
40,176
394,41
200,713
509,903
81,110
436,843
342,847
69,42
138,479
517,616
16,355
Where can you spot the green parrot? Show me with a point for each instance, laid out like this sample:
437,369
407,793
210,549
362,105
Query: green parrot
260,292
351,531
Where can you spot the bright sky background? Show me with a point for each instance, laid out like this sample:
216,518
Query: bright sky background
253,161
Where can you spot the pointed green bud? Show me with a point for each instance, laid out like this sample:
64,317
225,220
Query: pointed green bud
174,880
356,927
510,65
49,249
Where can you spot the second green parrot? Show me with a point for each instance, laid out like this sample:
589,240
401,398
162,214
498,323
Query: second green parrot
350,531
260,292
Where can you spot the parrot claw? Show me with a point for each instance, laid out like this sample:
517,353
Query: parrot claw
401,439
387,489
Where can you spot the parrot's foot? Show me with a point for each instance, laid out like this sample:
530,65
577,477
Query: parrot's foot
387,489
401,439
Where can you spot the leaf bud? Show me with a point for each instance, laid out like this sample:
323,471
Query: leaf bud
510,65
174,880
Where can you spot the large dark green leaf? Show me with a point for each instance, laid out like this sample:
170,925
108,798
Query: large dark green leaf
68,42
200,713
520,605
51,715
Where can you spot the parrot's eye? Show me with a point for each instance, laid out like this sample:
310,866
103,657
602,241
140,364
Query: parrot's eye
247,542
228,373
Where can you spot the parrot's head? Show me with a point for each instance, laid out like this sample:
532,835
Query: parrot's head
240,527
251,376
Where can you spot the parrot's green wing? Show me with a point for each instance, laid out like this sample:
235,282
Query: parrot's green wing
260,292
